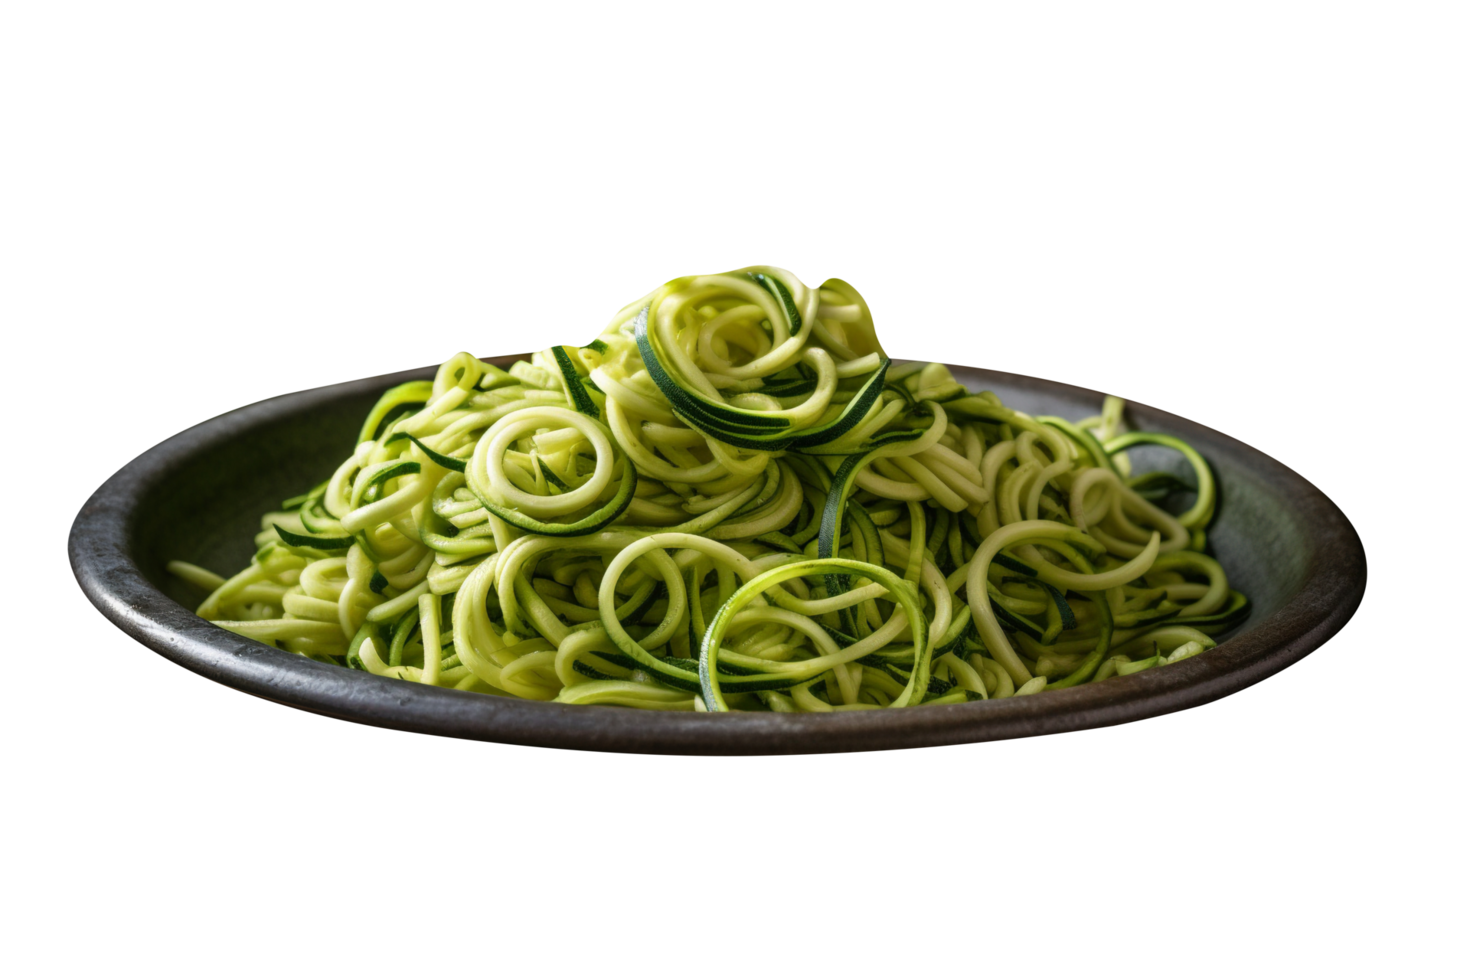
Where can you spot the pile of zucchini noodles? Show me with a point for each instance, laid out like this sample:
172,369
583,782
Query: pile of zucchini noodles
733,499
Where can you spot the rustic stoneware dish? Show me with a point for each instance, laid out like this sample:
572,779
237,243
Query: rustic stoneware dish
199,496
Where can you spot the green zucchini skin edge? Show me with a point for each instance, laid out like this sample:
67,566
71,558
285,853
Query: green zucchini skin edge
580,399
448,462
313,541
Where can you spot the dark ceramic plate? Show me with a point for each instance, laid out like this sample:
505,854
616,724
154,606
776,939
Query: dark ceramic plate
198,497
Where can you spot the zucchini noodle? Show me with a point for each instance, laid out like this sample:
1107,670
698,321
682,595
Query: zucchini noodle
733,499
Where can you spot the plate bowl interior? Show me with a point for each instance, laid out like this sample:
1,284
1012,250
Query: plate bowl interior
199,497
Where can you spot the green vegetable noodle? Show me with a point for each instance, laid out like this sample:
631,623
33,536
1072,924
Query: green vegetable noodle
733,500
